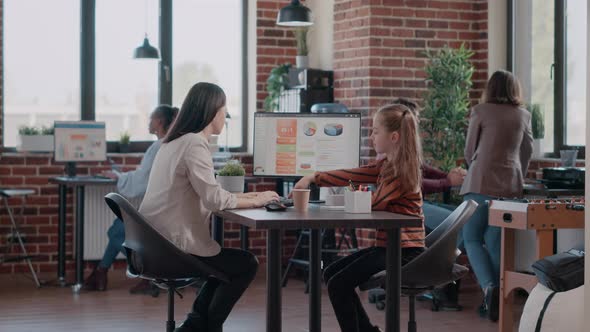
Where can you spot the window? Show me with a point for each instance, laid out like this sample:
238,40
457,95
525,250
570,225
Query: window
550,60
126,88
207,46
576,72
206,40
41,64
534,57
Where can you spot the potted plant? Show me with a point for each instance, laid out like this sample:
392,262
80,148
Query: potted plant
124,139
538,127
301,60
444,118
35,139
231,177
275,84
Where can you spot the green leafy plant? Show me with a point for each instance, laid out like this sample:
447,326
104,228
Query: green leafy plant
232,168
47,130
446,102
275,84
28,131
124,138
33,131
537,120
301,39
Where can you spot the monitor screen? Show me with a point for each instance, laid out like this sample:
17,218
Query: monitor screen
298,144
80,141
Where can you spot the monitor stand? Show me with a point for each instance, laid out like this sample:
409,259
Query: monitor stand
70,169
314,195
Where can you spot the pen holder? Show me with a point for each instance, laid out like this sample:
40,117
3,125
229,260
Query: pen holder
357,202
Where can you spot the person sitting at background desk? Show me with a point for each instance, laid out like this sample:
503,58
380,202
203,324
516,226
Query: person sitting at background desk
131,184
182,192
395,134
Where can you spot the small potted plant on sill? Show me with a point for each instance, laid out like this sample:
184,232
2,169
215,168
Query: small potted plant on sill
231,177
124,142
35,139
538,128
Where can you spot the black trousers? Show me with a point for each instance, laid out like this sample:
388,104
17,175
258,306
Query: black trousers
344,275
216,298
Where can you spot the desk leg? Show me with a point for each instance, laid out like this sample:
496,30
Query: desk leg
244,239
506,319
79,239
61,236
315,281
273,281
217,230
393,280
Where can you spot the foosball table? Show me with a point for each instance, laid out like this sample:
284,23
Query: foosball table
543,216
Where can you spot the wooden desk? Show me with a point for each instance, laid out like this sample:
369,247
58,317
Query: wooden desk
315,219
543,219
78,182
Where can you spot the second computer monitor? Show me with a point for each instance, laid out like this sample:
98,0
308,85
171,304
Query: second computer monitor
80,141
298,144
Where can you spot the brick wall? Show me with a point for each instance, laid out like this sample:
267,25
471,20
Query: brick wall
379,48
275,45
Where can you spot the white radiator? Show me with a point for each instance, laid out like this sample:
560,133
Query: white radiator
97,220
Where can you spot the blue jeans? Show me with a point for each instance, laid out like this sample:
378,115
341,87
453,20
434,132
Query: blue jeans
482,242
435,214
116,235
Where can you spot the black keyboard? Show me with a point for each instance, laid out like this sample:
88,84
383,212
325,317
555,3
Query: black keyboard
286,201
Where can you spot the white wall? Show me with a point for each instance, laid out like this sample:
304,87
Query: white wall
321,35
496,35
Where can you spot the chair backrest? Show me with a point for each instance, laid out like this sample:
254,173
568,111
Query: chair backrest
435,265
151,255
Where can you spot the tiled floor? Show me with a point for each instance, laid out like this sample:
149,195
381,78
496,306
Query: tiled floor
25,308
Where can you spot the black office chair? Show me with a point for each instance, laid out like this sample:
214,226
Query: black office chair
436,266
151,256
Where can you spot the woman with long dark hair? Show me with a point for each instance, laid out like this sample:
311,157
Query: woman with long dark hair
181,194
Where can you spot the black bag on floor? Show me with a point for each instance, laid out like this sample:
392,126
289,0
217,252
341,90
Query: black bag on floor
561,272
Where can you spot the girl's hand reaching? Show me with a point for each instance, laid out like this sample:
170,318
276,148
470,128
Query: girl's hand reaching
304,183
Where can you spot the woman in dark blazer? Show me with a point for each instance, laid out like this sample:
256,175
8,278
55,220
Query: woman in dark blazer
497,150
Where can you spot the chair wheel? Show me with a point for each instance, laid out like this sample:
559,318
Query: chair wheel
380,305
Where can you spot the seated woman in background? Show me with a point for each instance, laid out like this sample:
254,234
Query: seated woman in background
182,192
498,149
131,184
395,134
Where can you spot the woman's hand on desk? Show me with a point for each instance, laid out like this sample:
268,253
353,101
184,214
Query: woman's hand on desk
265,197
254,200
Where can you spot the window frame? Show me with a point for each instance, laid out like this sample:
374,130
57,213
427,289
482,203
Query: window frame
560,72
88,70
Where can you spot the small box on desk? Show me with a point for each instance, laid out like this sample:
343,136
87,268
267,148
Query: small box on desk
357,201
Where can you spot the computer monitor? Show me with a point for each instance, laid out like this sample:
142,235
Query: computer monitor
79,141
292,145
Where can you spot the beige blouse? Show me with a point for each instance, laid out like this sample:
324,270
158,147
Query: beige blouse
182,192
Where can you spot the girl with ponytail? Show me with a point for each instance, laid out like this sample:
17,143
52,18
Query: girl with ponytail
398,179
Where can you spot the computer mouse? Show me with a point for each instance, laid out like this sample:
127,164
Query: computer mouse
275,207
